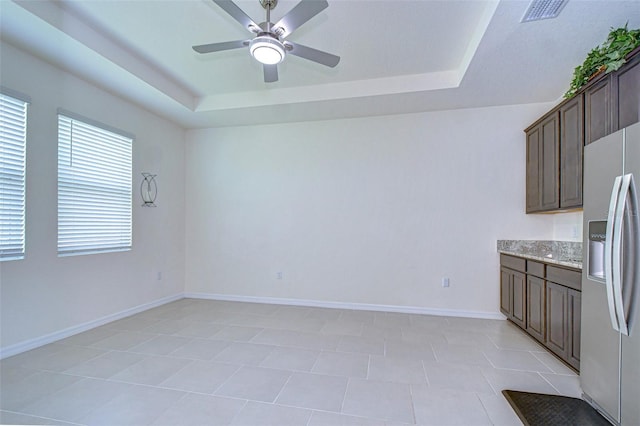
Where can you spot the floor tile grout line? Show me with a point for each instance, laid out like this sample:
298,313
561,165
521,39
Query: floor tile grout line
344,397
282,388
486,412
413,403
493,388
424,372
56,392
550,368
41,417
159,385
551,384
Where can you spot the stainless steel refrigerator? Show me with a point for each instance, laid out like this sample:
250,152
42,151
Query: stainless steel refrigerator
610,334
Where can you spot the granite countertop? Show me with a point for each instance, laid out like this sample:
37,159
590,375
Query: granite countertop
564,253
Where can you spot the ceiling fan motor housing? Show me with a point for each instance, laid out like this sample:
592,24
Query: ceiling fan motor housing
267,48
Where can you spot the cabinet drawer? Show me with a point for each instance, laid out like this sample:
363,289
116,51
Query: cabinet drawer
511,262
566,277
535,268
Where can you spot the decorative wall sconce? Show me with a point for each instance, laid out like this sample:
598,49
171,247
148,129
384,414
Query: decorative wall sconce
148,190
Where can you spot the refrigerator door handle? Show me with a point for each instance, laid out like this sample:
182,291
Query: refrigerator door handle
626,197
609,252
623,196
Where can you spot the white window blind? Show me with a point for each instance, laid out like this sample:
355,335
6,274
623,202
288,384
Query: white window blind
13,137
94,188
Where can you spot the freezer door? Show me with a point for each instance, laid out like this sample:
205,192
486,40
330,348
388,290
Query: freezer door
600,343
630,385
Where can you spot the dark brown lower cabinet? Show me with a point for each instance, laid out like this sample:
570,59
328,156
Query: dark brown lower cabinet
535,307
505,291
575,311
519,307
557,318
548,311
512,295
563,322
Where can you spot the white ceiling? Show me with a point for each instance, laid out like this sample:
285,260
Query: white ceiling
396,56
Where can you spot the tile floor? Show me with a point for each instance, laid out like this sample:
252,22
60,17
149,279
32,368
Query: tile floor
202,362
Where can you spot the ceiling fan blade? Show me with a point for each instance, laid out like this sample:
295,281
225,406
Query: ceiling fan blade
270,73
297,16
236,13
217,47
312,54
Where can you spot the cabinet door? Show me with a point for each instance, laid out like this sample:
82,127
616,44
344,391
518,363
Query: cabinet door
549,170
627,91
533,170
535,307
574,301
597,104
519,303
506,280
543,177
571,147
557,318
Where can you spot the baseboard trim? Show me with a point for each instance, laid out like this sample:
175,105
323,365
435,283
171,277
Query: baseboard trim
27,345
347,305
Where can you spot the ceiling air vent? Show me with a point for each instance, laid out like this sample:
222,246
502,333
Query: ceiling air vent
543,9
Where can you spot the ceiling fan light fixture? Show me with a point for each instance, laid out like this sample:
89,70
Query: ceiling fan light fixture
267,49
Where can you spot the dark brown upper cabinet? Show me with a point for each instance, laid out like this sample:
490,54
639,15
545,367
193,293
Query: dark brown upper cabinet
571,149
543,164
554,158
626,94
612,101
555,142
598,117
533,169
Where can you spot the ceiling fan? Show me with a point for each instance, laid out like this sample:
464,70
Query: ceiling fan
269,45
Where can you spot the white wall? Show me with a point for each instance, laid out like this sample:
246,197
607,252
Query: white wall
43,293
568,226
363,211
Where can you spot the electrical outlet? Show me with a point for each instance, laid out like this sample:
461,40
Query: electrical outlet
159,276
278,275
445,282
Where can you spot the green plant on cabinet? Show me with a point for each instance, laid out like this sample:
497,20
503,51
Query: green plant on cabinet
610,56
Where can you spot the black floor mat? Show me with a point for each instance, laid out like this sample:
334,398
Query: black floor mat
537,409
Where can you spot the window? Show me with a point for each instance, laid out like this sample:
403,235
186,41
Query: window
13,139
94,187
